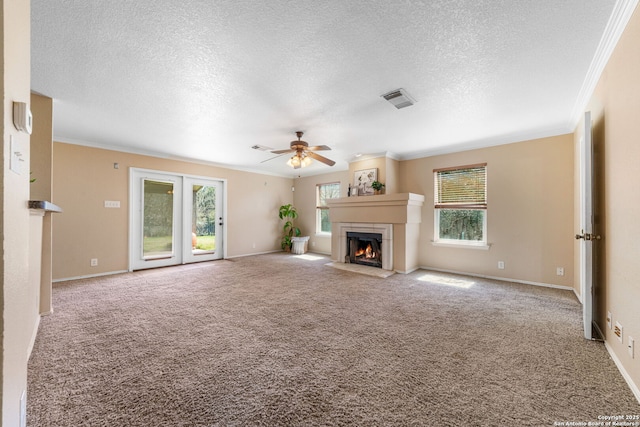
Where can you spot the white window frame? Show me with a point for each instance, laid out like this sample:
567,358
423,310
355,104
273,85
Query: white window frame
320,208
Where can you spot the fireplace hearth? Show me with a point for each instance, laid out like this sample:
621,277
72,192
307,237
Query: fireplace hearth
364,248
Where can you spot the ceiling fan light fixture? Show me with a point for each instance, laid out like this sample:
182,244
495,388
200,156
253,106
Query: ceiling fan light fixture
299,161
294,161
399,98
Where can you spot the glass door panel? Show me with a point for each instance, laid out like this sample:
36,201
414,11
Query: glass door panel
203,219
204,198
157,220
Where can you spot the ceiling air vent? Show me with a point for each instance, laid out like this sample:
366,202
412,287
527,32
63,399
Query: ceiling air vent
399,98
261,147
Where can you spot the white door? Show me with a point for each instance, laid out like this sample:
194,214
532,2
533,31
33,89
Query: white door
156,220
174,219
204,219
586,236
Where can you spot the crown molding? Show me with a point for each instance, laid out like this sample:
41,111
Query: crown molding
622,11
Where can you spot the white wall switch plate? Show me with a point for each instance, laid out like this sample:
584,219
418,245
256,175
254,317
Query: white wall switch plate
501,265
112,203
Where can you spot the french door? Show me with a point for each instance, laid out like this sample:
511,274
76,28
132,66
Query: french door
175,219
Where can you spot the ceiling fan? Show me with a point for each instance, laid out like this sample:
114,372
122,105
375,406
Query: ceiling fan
303,153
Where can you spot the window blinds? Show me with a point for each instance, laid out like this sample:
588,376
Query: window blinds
462,187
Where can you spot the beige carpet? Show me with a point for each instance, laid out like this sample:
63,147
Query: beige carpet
278,340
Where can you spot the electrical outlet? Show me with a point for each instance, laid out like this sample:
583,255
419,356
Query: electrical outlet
609,324
94,262
630,346
501,265
618,331
560,271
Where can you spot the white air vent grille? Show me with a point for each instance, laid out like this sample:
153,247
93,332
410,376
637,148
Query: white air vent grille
399,98
261,148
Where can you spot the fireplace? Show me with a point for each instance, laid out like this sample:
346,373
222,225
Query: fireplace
355,238
364,248
396,217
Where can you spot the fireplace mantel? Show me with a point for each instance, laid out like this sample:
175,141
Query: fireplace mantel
403,211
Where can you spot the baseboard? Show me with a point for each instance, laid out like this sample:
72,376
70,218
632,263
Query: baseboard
407,271
634,388
89,276
254,253
577,295
502,279
32,340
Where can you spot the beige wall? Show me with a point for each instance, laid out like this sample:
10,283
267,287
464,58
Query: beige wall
19,318
529,216
615,108
305,203
85,177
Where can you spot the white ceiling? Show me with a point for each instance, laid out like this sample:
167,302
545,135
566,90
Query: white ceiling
206,80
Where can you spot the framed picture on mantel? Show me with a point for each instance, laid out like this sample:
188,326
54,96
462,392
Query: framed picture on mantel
362,181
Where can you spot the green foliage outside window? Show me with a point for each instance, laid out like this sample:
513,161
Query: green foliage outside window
462,224
326,192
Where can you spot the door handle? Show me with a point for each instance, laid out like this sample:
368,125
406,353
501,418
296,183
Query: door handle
588,236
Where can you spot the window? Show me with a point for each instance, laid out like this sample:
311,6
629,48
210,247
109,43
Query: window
461,205
323,193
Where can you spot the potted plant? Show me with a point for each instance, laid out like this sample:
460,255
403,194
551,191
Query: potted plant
377,187
288,213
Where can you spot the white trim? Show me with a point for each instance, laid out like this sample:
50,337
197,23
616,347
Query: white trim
482,246
493,141
254,253
407,271
159,155
502,279
32,341
369,156
634,388
89,276
622,11
577,296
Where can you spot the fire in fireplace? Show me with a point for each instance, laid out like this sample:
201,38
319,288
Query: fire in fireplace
364,248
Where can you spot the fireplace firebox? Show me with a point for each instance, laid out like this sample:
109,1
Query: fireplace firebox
364,248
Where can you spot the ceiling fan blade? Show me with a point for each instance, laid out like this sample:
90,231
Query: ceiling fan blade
271,158
288,150
320,158
318,148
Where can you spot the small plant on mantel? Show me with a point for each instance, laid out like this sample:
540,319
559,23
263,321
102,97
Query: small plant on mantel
377,186
288,213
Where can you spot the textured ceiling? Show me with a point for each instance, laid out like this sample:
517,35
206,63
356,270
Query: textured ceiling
206,80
